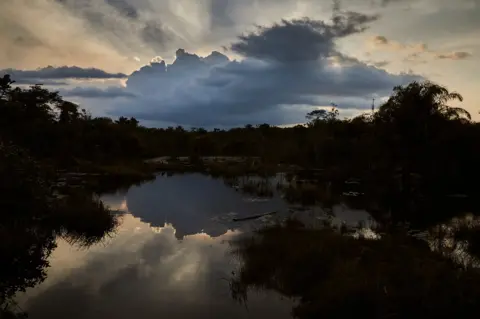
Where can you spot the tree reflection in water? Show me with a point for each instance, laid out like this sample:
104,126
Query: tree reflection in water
334,275
34,212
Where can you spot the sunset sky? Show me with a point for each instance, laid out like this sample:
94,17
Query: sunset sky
224,63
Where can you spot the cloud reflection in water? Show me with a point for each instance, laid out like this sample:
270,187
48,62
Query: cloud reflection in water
145,272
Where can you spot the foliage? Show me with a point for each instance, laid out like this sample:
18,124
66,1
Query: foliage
415,142
34,210
321,115
415,146
337,276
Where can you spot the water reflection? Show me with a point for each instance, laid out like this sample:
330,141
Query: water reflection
170,255
145,272
193,203
36,210
336,276
196,203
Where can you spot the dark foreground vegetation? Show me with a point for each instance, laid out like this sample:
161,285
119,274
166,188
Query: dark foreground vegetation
34,211
414,143
412,162
331,274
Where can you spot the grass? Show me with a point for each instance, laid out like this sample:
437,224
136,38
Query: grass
120,168
104,178
338,276
216,168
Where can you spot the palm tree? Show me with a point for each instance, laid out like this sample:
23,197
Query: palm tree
414,124
421,101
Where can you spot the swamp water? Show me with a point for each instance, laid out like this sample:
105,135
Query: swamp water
171,254
169,257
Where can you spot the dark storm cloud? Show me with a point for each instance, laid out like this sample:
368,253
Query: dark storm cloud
300,39
287,69
62,72
93,92
289,41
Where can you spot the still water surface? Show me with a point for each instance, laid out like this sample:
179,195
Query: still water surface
170,256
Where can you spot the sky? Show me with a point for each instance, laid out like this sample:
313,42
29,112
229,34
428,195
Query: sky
226,63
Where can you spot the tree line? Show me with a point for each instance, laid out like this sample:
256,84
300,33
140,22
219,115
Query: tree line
413,142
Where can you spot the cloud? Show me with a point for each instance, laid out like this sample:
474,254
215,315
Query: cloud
96,93
388,2
287,69
196,215
58,76
124,8
156,35
418,53
415,58
220,13
315,38
105,33
30,36
381,64
457,55
109,34
36,81
146,273
137,27
62,72
380,42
